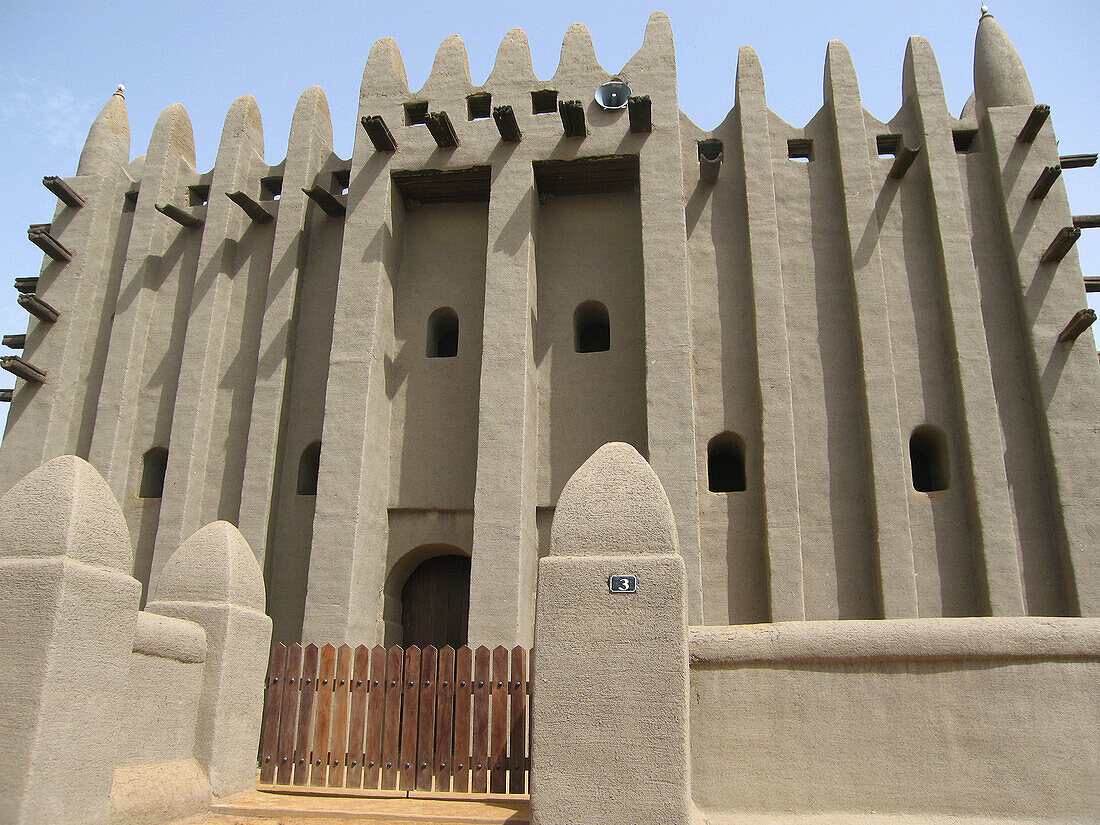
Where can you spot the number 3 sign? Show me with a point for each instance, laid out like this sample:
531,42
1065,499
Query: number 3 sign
622,584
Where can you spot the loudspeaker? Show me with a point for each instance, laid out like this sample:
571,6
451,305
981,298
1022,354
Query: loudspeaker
613,94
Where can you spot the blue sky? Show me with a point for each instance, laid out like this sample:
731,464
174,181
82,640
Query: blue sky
61,61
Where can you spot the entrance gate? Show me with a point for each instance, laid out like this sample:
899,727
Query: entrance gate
443,721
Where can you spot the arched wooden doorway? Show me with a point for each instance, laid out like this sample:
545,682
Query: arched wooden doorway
435,602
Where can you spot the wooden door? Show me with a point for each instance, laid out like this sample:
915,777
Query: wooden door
435,603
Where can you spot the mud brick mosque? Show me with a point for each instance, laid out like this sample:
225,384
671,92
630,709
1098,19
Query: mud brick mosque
856,355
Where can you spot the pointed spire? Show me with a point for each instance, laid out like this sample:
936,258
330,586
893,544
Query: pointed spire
243,125
578,55
750,75
312,112
920,72
108,143
385,70
173,135
451,66
999,75
657,45
513,63
840,71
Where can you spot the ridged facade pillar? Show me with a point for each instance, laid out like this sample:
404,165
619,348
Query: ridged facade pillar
887,479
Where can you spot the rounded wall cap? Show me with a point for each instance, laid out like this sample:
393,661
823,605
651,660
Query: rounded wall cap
216,566
613,505
65,508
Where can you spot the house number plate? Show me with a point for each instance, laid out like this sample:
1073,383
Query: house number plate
622,584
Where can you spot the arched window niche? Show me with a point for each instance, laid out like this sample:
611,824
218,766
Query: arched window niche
928,459
591,328
443,333
153,465
726,463
309,466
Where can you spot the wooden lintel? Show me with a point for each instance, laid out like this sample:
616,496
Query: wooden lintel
251,206
15,341
180,216
27,284
328,202
1034,123
1086,221
1082,320
902,161
1065,239
439,124
63,191
379,133
507,124
37,307
6,395
1045,181
22,369
640,111
1077,161
39,235
572,118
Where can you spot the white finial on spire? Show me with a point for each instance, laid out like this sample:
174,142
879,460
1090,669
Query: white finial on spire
120,90
985,12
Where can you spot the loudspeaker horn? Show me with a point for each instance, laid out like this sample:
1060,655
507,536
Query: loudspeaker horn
613,94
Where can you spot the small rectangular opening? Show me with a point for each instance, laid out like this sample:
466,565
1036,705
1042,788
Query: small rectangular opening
479,106
198,195
965,140
271,189
416,112
341,178
888,145
544,102
129,201
800,149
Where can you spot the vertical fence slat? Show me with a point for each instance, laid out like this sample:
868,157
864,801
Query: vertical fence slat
273,700
410,706
322,716
288,715
338,732
517,760
498,756
391,731
464,677
425,737
376,698
307,691
444,716
479,762
360,684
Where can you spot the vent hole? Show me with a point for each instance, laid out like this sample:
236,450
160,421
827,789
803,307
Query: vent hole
726,463
965,140
928,459
591,328
309,467
800,149
544,102
153,466
416,112
443,333
479,105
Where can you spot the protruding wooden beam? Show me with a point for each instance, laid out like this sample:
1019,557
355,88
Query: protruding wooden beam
1034,123
27,284
902,161
1092,283
710,160
507,124
6,395
63,191
1065,239
1045,181
379,133
23,369
37,307
439,124
39,235
251,206
180,216
15,341
1086,221
1082,320
1077,161
572,118
640,110
331,204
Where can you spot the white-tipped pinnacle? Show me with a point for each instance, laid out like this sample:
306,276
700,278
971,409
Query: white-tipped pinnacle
121,89
985,12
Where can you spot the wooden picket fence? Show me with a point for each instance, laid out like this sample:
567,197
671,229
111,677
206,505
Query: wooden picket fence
402,719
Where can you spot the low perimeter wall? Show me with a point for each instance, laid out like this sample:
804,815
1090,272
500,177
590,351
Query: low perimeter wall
984,717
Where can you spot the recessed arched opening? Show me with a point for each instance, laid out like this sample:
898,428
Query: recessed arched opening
928,459
591,328
434,597
153,465
443,333
309,466
726,463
